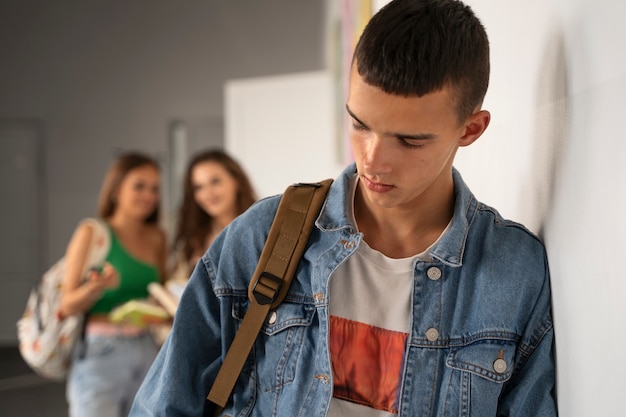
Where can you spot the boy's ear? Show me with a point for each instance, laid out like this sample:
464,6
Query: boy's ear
474,126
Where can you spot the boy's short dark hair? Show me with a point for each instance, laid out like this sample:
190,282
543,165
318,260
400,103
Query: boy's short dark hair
416,47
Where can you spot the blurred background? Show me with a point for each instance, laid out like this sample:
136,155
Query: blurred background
82,81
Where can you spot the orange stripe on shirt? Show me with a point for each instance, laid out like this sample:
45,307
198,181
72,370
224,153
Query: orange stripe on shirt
367,363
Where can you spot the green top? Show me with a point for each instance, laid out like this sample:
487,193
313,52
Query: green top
135,275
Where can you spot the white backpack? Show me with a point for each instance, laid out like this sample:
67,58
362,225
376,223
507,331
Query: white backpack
46,339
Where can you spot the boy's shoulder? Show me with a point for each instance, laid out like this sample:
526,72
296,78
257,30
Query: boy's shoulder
485,221
251,228
259,215
508,238
506,223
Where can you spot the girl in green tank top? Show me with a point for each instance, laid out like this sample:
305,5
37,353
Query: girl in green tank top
104,380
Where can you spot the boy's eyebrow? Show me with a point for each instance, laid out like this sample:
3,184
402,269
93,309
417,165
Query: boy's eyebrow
354,116
418,136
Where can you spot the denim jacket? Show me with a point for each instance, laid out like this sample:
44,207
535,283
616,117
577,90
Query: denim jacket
480,342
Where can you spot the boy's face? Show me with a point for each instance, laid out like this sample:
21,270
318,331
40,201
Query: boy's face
404,146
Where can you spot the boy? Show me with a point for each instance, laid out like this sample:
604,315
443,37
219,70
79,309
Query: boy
412,298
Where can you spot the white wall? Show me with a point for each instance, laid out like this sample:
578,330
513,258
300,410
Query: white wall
280,129
554,158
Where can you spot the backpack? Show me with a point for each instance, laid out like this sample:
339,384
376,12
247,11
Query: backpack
47,340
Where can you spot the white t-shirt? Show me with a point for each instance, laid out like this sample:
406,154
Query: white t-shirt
370,313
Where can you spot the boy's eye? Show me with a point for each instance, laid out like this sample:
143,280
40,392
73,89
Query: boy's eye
358,126
411,143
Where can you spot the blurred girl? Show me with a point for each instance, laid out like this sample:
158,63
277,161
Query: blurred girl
104,380
216,190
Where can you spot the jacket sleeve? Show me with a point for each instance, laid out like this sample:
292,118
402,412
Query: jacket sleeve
531,391
181,376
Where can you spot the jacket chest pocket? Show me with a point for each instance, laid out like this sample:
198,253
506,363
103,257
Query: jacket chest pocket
277,350
490,360
479,371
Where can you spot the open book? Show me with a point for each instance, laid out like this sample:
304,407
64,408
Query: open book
141,313
167,296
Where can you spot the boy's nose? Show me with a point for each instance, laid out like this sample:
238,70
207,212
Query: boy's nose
376,156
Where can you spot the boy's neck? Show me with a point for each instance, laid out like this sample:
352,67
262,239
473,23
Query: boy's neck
400,233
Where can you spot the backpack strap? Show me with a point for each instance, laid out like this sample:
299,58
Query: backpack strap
285,244
99,248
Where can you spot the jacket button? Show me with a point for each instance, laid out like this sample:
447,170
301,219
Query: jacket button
499,365
433,273
432,334
347,244
272,318
323,378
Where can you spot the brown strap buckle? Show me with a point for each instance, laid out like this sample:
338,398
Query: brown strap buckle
266,288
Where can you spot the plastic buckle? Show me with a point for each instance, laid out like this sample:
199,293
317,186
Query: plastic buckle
263,299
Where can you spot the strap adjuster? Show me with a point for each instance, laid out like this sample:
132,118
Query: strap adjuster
266,288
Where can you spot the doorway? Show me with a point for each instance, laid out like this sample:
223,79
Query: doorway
21,219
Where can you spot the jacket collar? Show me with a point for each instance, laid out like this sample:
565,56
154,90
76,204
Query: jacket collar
449,249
